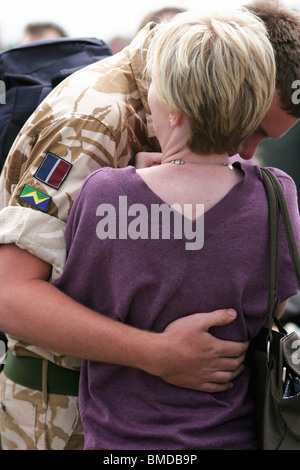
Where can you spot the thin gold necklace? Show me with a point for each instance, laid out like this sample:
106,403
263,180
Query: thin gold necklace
182,162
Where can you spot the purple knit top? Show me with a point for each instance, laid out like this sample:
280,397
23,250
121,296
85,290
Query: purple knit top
150,281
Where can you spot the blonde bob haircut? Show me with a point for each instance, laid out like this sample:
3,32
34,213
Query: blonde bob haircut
219,70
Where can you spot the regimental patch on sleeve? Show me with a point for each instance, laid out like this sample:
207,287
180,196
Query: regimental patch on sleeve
53,170
35,198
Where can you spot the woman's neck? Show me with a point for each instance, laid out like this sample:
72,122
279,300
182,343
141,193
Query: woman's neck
186,156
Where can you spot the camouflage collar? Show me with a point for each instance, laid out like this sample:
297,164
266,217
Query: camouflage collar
138,52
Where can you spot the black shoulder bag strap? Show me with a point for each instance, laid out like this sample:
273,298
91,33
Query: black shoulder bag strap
277,202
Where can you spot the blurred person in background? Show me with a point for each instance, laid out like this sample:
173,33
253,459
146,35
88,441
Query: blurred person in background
156,16
163,14
118,43
37,31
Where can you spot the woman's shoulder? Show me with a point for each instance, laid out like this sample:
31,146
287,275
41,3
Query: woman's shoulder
254,171
283,177
101,187
287,183
106,178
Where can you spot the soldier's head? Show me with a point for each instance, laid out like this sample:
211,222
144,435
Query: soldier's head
283,27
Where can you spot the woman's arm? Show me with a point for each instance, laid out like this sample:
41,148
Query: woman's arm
280,309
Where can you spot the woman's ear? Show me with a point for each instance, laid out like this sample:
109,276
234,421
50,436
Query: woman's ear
176,119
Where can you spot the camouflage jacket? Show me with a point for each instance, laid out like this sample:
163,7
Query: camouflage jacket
98,116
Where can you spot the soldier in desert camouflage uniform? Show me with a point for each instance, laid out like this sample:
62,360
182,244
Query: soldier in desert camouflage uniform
61,144
84,137
97,117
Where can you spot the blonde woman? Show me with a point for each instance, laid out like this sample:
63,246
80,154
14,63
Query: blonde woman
212,82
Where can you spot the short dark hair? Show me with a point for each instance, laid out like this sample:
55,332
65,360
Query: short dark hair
37,28
283,26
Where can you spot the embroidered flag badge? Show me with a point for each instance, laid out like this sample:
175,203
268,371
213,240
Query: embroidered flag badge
35,198
53,170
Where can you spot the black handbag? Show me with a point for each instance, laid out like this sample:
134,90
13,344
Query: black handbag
275,354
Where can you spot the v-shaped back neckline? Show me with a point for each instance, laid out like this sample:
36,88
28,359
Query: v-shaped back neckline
140,193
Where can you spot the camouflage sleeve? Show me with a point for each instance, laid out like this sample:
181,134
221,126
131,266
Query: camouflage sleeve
94,118
37,196
39,183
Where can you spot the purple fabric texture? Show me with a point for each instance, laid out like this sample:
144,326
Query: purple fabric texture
148,283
